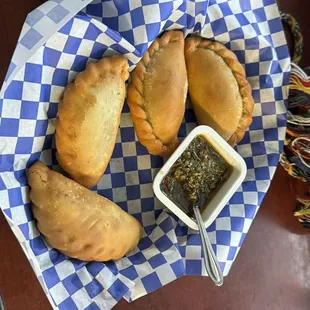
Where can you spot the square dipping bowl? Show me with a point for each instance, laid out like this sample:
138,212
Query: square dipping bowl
215,205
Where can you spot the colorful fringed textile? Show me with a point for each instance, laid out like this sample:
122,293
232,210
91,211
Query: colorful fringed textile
296,154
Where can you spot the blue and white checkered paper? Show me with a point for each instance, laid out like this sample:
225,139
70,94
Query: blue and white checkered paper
168,249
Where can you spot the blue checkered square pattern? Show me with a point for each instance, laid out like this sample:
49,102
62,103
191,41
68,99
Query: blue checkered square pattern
168,249
39,26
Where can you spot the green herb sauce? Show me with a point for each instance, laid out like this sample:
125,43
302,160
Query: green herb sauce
198,172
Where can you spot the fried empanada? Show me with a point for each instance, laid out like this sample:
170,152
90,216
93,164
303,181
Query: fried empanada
88,119
77,221
219,92
157,94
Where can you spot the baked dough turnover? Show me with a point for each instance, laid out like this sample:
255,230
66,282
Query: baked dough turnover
88,119
157,94
77,221
219,92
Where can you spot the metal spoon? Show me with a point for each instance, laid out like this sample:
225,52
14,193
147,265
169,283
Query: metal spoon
212,265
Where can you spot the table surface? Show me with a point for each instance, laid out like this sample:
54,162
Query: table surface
272,270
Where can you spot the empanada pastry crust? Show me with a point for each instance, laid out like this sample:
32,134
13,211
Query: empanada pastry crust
157,94
219,92
88,119
77,221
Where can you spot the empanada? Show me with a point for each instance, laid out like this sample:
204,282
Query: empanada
77,221
88,119
219,92
157,94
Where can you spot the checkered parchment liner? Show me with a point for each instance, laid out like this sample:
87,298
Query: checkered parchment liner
168,249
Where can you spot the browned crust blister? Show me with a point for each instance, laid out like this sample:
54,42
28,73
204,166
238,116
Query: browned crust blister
142,124
192,44
114,65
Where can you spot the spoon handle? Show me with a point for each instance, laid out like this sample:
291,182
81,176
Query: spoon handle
212,266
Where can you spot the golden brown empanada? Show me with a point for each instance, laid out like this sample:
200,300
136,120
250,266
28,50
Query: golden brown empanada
88,119
157,94
218,89
77,221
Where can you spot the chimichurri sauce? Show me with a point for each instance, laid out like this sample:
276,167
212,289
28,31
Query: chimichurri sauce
199,171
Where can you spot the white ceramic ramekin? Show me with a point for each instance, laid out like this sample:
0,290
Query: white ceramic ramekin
222,196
